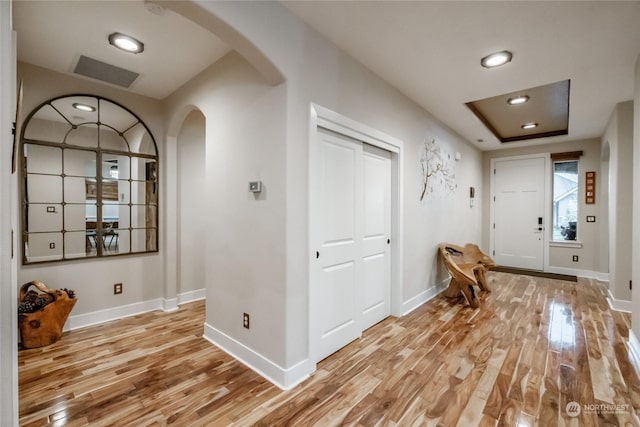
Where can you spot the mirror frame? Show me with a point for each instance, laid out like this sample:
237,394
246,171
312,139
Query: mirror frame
103,229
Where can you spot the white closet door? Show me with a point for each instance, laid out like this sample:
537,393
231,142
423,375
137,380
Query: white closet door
336,291
376,259
350,223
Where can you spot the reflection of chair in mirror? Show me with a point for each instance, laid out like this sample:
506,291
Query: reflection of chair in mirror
111,233
92,241
92,236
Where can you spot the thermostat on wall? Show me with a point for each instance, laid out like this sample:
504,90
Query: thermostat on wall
255,186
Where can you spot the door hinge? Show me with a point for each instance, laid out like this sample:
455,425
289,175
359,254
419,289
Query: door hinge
494,225
630,284
494,253
494,171
494,198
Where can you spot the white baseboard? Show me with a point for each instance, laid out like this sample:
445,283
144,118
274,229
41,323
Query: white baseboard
424,296
169,304
618,304
109,314
191,296
115,313
283,378
589,274
634,349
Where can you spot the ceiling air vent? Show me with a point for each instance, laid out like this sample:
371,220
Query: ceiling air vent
105,72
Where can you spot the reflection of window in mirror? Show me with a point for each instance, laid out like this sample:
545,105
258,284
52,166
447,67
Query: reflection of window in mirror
89,181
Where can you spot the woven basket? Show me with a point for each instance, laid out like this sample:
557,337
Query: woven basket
44,326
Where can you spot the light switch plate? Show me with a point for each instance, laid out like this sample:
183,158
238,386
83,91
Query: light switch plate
255,186
591,218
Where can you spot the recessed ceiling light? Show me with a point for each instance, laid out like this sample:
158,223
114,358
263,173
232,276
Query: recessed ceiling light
496,59
528,126
83,107
518,100
126,43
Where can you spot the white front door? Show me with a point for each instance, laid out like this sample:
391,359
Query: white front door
350,281
519,218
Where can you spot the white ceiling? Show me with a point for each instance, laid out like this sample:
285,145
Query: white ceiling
430,51
53,35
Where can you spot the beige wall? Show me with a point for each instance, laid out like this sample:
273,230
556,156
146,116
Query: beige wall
336,81
618,141
591,258
244,235
440,217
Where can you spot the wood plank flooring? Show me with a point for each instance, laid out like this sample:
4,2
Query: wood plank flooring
533,346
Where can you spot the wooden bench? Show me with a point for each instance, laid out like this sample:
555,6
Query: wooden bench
467,266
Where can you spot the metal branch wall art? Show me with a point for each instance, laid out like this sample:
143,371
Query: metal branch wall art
437,169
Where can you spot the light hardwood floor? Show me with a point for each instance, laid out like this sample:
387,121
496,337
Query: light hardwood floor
532,347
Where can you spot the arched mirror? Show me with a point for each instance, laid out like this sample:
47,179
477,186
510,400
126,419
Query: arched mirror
90,181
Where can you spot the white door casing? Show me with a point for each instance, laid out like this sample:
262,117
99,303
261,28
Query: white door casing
518,211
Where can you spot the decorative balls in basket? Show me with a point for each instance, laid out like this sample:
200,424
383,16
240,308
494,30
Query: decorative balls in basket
42,313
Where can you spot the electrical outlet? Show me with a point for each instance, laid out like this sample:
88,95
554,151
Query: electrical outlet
117,288
575,258
52,245
245,320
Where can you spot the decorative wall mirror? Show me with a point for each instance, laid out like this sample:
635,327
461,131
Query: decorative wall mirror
90,181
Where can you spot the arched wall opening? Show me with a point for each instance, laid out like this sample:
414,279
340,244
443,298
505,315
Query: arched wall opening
191,218
231,34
